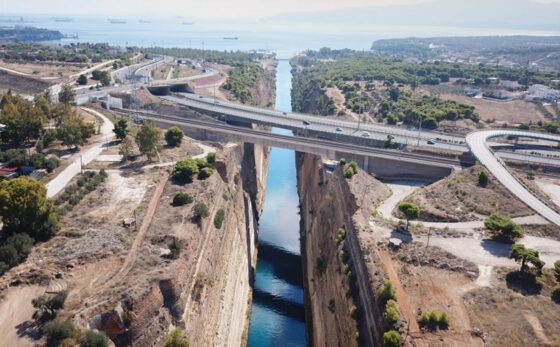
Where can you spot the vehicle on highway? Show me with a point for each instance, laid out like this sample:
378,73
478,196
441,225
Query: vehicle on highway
306,123
285,113
339,129
431,141
365,134
200,96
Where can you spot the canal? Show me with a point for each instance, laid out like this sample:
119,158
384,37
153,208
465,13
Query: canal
278,313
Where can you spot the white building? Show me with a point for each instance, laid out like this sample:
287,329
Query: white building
539,91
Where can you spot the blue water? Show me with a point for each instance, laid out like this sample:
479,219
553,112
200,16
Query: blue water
277,317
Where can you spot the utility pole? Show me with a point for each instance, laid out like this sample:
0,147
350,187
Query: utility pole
81,165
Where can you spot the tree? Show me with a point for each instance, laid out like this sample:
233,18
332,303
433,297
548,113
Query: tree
185,170
483,178
82,80
211,158
66,95
174,136
391,314
24,207
175,246
392,338
176,339
148,140
94,339
390,142
526,256
410,211
102,76
126,148
503,227
73,131
557,270
121,128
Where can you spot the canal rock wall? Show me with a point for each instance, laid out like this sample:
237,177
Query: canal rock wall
341,304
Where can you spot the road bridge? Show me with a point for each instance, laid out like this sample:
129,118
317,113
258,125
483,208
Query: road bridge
477,143
383,162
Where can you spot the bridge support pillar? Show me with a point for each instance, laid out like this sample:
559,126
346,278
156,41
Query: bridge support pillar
366,163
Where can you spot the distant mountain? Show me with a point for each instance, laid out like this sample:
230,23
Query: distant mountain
510,14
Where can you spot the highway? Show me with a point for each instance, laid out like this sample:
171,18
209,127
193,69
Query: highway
305,144
477,143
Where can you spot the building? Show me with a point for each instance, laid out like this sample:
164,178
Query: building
542,92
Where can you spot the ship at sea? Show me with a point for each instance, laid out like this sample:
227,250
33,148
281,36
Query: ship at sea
188,23
143,21
62,19
231,38
116,21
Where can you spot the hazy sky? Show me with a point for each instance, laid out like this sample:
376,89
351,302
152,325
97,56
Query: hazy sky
187,8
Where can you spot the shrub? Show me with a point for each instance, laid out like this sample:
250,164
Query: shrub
340,236
392,338
185,170
37,160
200,212
483,178
391,315
181,199
434,319
46,307
176,339
557,270
387,292
58,331
103,173
205,173
349,172
211,158
74,200
174,136
94,339
81,181
175,246
354,167
219,218
342,162
51,163
503,228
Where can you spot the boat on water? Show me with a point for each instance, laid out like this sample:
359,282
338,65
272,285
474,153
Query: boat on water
62,19
116,21
188,23
231,38
143,21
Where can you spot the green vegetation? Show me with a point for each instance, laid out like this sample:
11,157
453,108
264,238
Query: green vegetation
47,306
73,194
185,170
126,148
121,129
174,136
387,292
211,158
94,339
241,79
219,218
71,53
148,140
340,236
351,170
483,178
73,131
392,338
19,157
205,172
82,80
176,339
526,256
410,211
104,77
231,58
557,270
504,229
391,315
67,95
200,212
175,245
181,199
433,319
59,331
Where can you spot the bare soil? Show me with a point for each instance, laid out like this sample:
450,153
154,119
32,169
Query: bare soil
45,70
22,84
459,198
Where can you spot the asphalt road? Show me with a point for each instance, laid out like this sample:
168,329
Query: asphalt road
479,147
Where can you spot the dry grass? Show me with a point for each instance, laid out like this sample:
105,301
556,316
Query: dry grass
460,198
45,70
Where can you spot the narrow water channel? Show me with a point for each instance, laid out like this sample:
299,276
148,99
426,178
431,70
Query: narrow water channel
278,314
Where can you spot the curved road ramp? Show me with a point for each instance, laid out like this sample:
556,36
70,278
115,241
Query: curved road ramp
477,143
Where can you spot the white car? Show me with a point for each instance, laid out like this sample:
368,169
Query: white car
338,129
365,134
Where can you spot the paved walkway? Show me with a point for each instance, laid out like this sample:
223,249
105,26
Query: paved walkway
62,179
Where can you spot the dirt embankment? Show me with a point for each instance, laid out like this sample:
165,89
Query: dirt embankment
336,281
22,84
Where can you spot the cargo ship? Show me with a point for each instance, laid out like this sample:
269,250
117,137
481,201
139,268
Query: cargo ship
116,21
